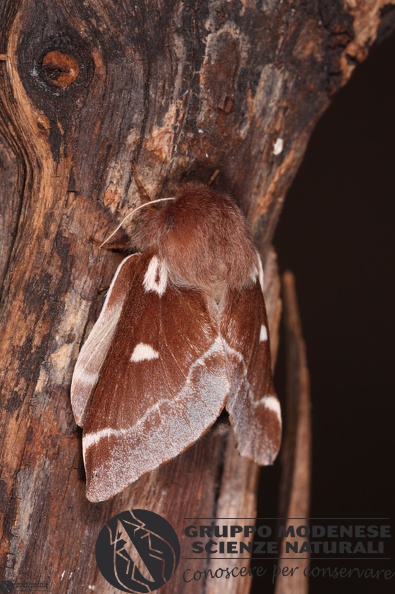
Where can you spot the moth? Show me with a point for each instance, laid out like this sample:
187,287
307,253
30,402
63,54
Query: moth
183,334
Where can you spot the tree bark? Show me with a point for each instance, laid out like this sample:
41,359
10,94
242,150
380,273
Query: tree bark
182,88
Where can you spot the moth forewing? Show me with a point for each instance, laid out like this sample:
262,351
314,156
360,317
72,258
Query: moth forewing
159,388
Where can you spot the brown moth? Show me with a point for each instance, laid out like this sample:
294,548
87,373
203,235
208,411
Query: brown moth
182,335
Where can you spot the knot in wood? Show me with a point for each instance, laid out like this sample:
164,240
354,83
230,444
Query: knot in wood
61,69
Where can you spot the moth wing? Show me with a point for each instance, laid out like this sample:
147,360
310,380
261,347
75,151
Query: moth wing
94,351
162,385
252,404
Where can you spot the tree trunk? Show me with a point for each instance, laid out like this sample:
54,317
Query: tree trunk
182,88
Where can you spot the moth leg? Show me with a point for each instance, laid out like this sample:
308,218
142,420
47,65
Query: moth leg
213,178
120,245
145,197
103,289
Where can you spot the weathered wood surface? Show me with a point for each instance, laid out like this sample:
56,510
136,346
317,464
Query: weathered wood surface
182,88
294,501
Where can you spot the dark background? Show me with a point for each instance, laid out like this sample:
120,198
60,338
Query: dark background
336,234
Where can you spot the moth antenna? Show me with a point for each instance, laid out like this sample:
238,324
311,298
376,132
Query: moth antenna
132,213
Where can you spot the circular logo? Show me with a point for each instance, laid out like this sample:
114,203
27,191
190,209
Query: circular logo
137,551
6,587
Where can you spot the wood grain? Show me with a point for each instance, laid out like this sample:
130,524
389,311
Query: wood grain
294,503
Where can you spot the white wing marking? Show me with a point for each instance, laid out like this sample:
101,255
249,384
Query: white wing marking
143,352
155,279
263,333
261,274
271,403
